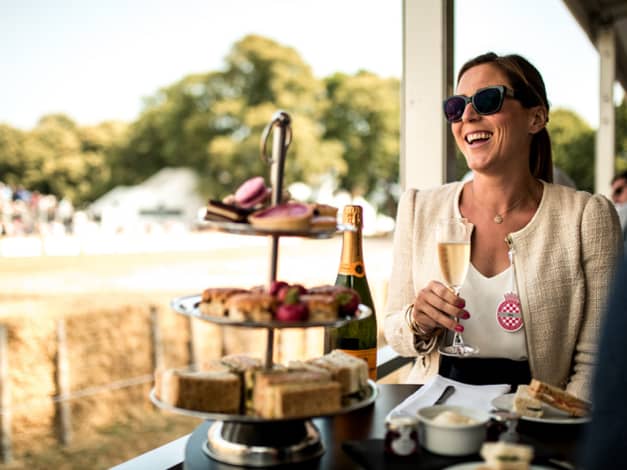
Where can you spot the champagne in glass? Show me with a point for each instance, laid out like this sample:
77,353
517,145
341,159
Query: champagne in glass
454,259
453,237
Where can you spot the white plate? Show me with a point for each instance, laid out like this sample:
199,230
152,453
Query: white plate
474,465
551,415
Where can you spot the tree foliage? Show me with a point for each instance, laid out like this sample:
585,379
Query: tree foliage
213,122
365,118
59,157
573,147
347,126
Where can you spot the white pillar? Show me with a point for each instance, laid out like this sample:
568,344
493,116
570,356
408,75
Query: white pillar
427,147
605,145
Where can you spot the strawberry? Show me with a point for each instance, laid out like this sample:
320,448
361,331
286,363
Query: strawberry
276,286
349,301
292,312
286,288
292,309
301,289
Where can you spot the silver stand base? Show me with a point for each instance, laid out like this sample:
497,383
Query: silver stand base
263,444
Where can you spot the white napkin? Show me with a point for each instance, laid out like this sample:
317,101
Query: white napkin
470,396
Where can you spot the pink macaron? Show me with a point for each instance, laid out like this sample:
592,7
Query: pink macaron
252,192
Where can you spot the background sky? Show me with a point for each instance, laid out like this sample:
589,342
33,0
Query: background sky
94,60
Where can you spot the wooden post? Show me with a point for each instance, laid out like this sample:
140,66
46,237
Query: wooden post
157,342
64,412
5,399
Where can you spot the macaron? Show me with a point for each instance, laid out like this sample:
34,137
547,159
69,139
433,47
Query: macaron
252,192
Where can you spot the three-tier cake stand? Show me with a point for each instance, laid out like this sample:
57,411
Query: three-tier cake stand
248,440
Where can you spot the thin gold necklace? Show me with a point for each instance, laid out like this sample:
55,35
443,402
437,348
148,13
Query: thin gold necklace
498,217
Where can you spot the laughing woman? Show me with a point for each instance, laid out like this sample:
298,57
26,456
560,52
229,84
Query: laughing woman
542,251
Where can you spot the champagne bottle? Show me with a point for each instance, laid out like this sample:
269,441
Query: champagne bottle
359,337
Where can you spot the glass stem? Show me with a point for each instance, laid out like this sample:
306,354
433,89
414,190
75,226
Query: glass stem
458,341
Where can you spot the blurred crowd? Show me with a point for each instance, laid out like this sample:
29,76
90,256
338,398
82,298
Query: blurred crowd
24,212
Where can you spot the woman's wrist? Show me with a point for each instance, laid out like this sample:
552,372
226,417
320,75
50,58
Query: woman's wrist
414,327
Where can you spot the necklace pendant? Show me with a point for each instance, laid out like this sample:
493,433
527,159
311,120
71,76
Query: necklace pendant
498,219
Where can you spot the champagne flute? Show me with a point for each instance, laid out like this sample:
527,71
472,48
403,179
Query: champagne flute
453,237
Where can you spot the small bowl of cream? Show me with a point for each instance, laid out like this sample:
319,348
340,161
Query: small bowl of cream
452,430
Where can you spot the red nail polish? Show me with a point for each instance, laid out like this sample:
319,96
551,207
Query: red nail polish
465,315
459,328
461,303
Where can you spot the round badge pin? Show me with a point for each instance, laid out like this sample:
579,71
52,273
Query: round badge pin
509,313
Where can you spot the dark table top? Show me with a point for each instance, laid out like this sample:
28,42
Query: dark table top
355,440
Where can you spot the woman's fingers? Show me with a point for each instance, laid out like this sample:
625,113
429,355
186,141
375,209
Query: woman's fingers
437,306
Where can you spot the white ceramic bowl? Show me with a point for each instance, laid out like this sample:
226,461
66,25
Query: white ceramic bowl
454,439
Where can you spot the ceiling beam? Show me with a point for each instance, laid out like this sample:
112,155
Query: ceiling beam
591,16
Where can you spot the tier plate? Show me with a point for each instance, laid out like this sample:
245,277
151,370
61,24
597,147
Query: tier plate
244,228
349,403
188,305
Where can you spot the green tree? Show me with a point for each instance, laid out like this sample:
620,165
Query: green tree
213,122
58,162
364,115
573,147
13,159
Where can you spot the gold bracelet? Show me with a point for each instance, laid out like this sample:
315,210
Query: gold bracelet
413,326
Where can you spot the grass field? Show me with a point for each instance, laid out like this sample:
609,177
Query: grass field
63,285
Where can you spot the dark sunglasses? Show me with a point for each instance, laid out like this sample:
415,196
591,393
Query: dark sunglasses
486,101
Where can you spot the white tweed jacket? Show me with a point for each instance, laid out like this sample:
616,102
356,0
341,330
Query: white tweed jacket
565,259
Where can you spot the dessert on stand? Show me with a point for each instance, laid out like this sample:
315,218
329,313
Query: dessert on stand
261,411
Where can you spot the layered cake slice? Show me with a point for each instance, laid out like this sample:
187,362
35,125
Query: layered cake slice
295,394
349,371
215,391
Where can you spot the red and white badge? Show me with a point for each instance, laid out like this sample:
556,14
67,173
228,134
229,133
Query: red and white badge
509,313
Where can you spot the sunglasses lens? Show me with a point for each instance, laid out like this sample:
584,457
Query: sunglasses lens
454,108
488,101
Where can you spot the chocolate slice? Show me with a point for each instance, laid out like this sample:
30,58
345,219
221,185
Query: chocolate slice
219,211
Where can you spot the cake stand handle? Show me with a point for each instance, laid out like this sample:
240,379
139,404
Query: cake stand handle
281,131
281,139
269,349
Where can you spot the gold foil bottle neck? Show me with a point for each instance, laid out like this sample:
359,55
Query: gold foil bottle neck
353,215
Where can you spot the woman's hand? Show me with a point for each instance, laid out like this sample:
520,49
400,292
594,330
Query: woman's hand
436,306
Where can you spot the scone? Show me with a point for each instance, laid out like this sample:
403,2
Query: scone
321,307
213,300
258,307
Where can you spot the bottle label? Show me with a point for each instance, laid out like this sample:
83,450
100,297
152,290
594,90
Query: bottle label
355,268
368,355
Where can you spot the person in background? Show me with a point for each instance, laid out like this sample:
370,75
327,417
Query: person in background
619,196
543,251
606,435
619,188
